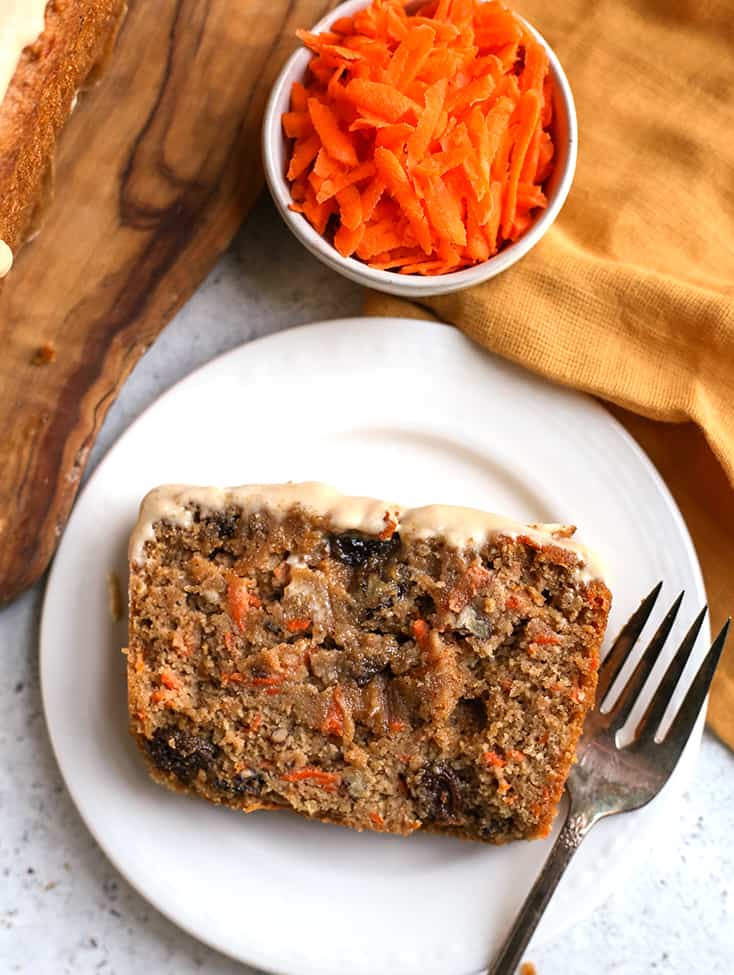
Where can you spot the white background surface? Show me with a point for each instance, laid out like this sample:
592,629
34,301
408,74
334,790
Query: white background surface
63,908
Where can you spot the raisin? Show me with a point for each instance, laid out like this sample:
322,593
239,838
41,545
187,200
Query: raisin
245,784
492,828
224,523
363,671
356,550
438,794
425,605
183,754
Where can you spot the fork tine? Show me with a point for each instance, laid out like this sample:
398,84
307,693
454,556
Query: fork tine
683,722
617,656
627,699
650,720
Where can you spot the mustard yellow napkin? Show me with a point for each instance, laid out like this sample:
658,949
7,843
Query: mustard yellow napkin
631,294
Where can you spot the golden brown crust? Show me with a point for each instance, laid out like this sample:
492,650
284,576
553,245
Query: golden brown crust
600,597
77,36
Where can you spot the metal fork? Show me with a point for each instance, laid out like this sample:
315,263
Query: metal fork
607,779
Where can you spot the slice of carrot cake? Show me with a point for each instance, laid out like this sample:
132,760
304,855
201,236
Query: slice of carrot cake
361,663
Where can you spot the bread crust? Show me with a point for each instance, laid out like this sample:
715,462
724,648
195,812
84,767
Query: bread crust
77,37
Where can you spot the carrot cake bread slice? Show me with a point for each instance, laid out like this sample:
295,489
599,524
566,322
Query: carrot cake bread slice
361,663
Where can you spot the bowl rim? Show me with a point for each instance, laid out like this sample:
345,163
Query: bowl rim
385,280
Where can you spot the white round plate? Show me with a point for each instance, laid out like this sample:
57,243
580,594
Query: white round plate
399,409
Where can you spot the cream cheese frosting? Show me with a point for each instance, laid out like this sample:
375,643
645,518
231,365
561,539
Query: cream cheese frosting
21,23
460,527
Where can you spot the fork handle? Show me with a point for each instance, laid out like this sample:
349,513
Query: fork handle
569,839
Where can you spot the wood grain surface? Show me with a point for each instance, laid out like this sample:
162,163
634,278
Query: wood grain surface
156,170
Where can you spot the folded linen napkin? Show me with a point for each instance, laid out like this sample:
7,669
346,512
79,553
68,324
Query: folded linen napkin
630,296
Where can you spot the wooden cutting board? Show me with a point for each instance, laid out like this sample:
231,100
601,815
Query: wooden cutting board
156,170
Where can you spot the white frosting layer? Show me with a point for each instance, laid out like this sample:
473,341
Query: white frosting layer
21,23
460,527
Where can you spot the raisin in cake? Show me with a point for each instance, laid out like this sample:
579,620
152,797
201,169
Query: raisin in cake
383,668
48,51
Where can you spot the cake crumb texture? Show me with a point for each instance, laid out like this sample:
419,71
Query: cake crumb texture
382,682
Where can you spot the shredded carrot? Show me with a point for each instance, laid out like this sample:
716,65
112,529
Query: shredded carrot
421,143
377,819
232,678
298,625
494,760
335,141
350,207
545,639
334,721
297,125
240,599
380,99
426,127
168,680
390,521
347,240
274,681
403,192
326,780
420,632
339,181
304,153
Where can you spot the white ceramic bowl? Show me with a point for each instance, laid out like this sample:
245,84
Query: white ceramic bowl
275,150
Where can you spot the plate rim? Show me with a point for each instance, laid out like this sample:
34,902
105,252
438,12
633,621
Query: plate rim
590,401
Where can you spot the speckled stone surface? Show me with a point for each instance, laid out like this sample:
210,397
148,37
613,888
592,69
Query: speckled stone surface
63,907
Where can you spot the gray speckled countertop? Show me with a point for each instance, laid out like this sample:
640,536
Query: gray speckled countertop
64,908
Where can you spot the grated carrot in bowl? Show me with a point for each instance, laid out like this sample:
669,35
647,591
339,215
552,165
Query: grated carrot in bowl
421,142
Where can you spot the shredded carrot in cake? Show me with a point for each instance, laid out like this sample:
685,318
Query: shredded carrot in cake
240,599
421,143
546,639
390,528
334,720
169,680
326,780
420,632
298,625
